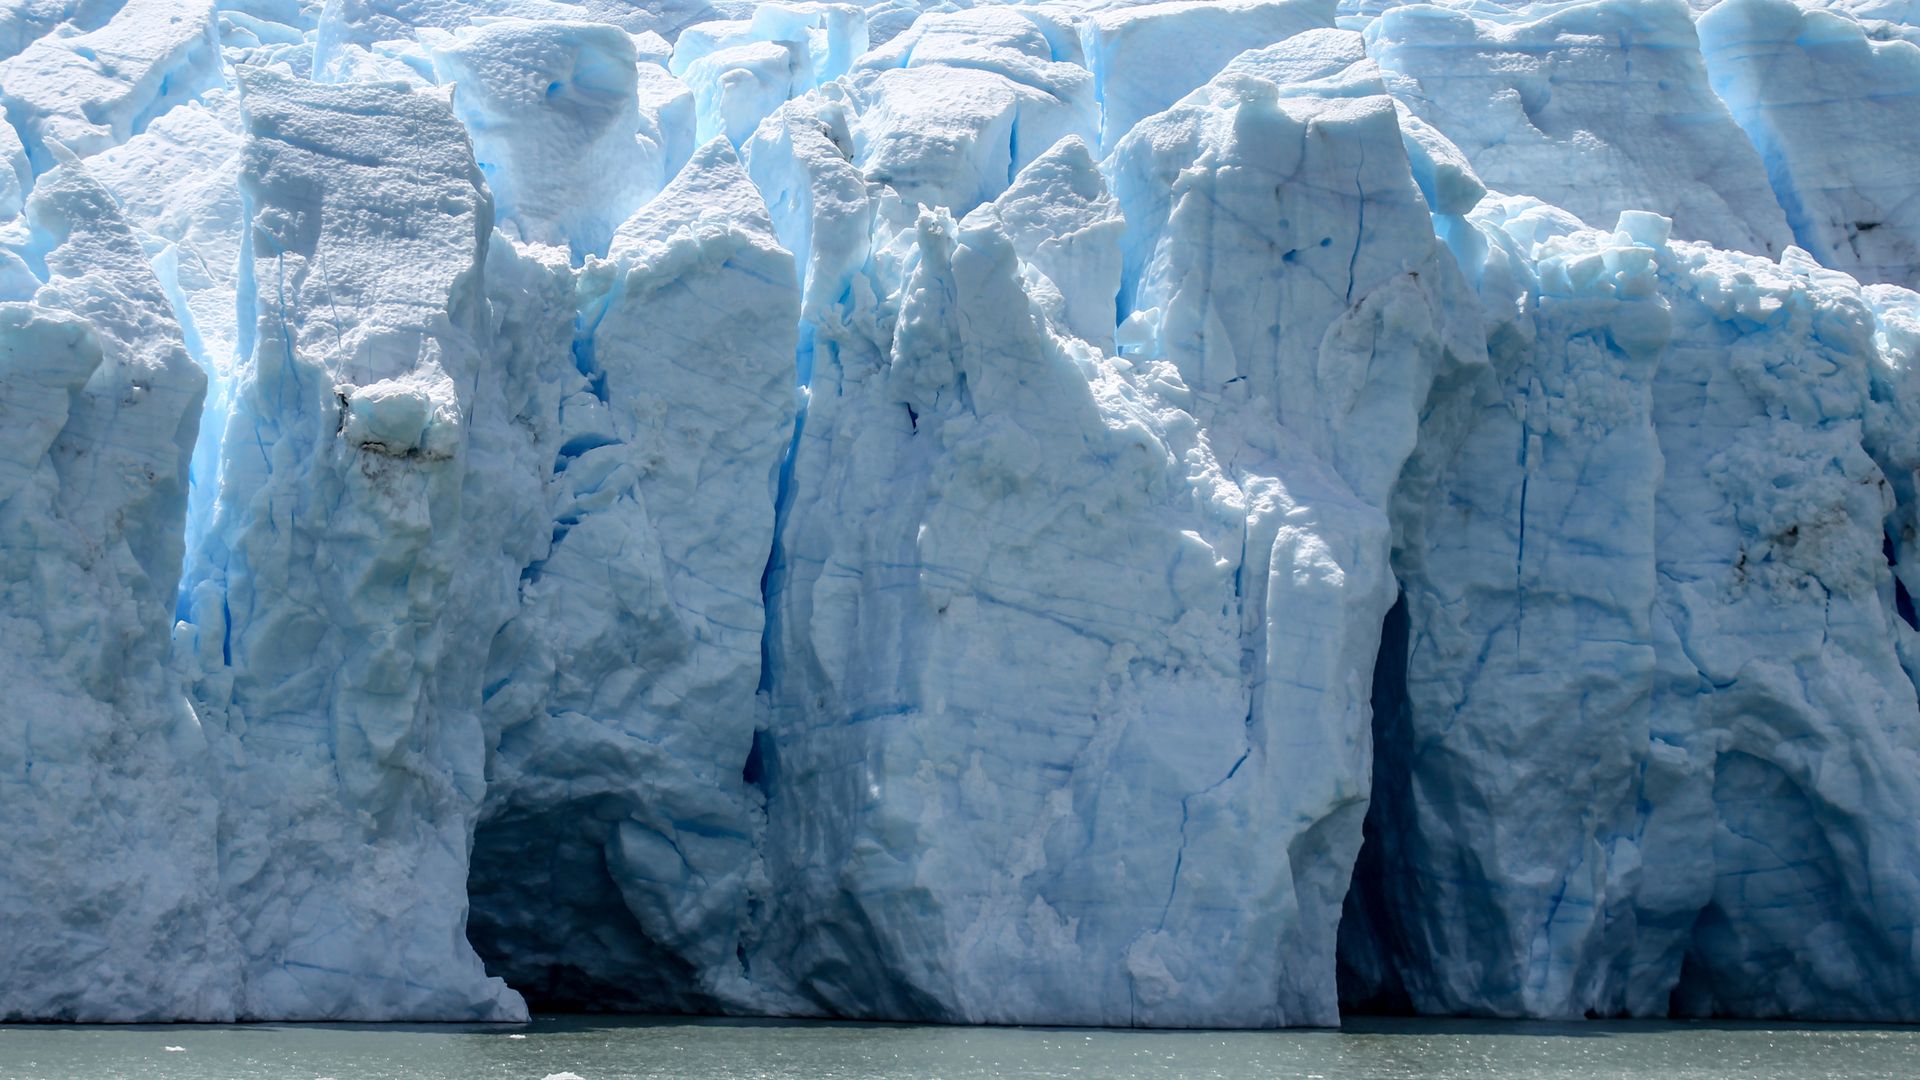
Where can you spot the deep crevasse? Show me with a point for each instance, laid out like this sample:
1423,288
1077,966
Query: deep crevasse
821,510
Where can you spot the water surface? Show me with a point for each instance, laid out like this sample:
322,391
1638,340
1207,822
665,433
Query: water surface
598,1048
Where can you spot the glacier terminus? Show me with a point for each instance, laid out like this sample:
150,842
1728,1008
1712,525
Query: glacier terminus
1159,513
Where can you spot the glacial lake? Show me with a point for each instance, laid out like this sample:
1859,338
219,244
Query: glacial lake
597,1048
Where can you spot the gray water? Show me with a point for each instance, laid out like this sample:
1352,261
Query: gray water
621,1049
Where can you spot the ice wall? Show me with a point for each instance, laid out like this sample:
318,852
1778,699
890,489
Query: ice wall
1815,93
321,597
1085,512
620,698
1138,720
1678,491
1592,107
109,893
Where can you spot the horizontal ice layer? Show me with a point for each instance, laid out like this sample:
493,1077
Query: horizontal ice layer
109,887
348,729
1595,107
1836,116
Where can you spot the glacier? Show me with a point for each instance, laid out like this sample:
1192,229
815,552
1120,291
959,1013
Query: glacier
1185,513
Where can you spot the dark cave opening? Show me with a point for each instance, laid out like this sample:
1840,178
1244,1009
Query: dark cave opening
757,773
1902,600
545,914
1369,952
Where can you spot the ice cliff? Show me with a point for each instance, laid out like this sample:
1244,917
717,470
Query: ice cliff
1193,513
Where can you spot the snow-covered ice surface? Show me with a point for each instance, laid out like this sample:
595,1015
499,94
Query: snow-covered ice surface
1190,513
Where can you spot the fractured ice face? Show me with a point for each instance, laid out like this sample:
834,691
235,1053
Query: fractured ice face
110,805
1814,92
1094,512
1677,492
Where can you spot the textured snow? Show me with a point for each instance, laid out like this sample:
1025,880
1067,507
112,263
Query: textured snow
1188,513
554,113
88,91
